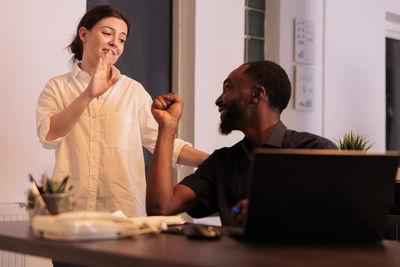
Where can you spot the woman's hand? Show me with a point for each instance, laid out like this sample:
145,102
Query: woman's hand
101,80
167,110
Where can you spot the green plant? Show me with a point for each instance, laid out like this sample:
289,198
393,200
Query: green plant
354,141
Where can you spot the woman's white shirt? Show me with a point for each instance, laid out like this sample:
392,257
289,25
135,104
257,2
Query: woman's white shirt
102,153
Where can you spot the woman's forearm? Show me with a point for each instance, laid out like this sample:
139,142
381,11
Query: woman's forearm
62,122
190,156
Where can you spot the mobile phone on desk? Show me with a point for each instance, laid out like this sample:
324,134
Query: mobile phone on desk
175,229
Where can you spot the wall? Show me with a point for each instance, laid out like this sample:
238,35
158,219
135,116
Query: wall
219,49
350,63
279,45
393,6
355,69
34,37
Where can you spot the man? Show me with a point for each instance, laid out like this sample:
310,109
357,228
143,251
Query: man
252,100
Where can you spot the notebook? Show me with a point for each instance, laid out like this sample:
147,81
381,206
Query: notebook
300,195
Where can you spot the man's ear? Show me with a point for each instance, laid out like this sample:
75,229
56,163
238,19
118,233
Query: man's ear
82,33
258,94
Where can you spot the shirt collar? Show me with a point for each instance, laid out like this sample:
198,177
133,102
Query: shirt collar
83,76
78,73
274,140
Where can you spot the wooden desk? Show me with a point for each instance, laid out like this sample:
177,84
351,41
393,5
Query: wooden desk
177,250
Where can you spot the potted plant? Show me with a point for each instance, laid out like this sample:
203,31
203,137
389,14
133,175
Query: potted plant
354,141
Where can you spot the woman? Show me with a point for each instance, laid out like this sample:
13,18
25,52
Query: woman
97,120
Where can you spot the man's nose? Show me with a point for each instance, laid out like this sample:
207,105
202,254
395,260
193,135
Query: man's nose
218,101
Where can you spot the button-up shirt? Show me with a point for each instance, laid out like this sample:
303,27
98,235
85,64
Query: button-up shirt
221,180
102,153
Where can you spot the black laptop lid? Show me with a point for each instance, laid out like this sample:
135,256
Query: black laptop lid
319,195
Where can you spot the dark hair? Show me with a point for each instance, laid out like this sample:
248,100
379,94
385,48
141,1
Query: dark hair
88,21
274,79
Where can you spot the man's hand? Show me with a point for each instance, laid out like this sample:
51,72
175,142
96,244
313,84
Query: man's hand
101,80
242,207
167,110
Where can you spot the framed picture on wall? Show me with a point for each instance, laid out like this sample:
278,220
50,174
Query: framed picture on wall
304,88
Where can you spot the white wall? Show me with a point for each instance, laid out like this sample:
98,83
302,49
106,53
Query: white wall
219,49
280,17
393,6
34,37
350,63
355,69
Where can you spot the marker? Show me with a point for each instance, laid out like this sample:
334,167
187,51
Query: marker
62,186
235,210
36,193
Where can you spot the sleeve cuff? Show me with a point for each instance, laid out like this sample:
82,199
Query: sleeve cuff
43,131
178,145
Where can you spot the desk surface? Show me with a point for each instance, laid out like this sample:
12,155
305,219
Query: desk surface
177,250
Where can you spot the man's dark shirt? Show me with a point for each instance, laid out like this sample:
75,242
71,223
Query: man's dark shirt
221,181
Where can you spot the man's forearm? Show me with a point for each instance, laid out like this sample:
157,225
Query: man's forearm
159,181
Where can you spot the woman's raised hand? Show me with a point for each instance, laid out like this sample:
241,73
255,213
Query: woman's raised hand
101,80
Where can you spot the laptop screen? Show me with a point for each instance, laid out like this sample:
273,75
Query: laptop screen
319,195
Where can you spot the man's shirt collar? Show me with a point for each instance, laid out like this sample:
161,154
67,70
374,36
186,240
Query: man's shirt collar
274,140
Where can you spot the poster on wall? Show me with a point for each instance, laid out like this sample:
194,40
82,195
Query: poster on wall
304,88
304,37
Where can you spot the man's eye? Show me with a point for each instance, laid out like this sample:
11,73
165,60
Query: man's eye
107,33
122,41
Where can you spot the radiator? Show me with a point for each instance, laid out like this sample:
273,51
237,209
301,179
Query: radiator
12,212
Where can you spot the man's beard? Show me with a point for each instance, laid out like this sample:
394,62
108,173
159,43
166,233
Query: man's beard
233,115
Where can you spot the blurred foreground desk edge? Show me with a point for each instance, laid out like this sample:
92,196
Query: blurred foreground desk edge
177,250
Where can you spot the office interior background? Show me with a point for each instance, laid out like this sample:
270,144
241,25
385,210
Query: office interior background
208,42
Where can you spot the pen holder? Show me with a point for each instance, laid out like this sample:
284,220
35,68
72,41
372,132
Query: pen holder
56,203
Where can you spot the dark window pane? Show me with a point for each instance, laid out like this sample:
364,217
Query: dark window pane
392,94
255,23
259,4
147,54
255,50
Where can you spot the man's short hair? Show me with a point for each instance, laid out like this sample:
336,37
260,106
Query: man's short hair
274,79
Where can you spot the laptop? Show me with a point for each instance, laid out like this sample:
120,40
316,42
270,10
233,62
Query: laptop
302,195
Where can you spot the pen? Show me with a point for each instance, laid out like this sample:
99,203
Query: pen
49,189
36,193
34,182
235,210
62,186
44,177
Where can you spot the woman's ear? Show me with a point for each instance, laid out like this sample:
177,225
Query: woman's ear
82,33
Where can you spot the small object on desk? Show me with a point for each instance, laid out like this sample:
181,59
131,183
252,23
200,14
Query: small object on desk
56,203
44,187
62,186
49,189
36,192
201,231
235,210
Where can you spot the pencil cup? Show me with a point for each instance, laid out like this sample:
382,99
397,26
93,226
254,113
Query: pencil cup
56,203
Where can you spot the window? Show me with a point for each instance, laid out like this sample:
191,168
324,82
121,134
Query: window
254,30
